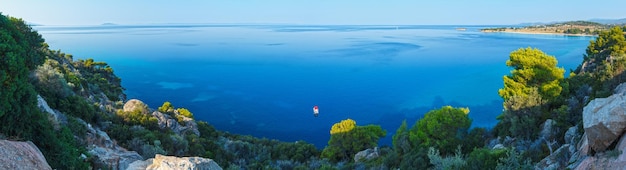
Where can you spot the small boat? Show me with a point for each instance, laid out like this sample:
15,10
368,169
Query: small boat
316,111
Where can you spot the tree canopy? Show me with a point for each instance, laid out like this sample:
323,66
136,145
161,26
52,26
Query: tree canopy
442,128
532,68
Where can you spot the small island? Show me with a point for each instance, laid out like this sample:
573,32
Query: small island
577,28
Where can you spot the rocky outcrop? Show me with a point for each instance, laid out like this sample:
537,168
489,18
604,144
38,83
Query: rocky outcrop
107,154
160,162
614,159
21,155
604,120
367,154
166,121
55,117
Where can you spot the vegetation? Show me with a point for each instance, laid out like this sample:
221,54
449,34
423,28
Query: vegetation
347,139
21,51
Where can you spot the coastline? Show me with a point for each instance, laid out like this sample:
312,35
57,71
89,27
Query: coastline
540,33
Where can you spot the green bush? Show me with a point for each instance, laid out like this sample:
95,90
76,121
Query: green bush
442,129
347,139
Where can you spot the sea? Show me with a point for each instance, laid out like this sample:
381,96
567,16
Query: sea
263,80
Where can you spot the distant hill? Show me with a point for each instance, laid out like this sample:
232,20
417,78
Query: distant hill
610,21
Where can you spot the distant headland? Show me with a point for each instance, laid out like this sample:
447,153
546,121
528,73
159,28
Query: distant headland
574,28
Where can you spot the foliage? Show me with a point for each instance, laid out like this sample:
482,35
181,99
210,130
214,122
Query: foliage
400,140
20,52
513,160
442,129
137,117
450,162
347,139
532,69
482,158
608,43
521,116
184,112
51,81
605,62
166,107
343,126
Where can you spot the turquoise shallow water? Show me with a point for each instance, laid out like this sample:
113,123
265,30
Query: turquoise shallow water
263,80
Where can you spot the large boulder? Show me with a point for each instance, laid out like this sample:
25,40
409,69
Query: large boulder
21,155
134,104
161,162
604,120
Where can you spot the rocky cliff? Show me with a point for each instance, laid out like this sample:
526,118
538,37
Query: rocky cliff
602,144
21,155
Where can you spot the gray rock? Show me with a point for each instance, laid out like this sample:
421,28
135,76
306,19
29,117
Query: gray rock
604,120
117,158
498,146
548,130
166,121
570,135
367,154
134,104
56,117
140,165
557,160
615,159
620,89
21,155
161,162
106,153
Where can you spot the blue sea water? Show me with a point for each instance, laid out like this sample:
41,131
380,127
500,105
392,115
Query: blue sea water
263,80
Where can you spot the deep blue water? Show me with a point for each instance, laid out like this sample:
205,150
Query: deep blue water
263,80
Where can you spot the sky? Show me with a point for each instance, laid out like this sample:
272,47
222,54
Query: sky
386,12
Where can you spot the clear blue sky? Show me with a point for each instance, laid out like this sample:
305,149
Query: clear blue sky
88,12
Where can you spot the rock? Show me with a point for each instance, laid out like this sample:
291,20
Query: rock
560,158
55,117
21,155
548,130
140,165
615,159
367,154
620,89
570,135
604,120
113,158
134,104
166,121
107,154
161,162
498,146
